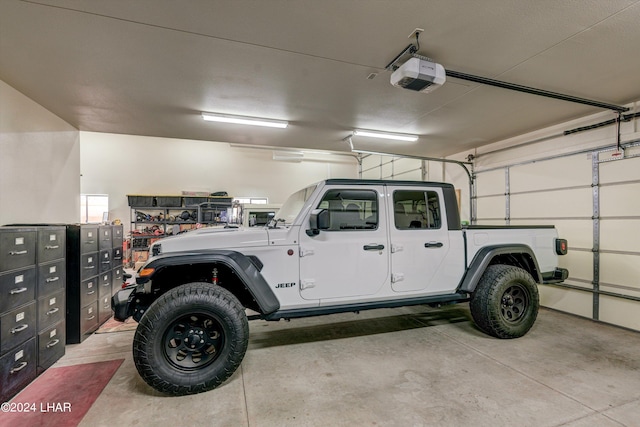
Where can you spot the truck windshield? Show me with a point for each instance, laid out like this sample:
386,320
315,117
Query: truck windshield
291,208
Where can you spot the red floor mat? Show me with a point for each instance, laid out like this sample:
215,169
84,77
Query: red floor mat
60,397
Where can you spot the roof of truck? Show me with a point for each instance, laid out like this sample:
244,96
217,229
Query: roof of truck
345,181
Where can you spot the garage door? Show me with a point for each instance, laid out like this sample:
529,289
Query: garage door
594,203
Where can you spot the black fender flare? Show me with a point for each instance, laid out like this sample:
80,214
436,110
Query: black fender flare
483,258
247,268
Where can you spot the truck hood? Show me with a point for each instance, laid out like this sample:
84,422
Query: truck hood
215,238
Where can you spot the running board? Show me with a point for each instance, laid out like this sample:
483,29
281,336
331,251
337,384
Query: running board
347,308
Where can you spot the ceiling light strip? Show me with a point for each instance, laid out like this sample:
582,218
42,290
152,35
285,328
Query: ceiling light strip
242,120
384,135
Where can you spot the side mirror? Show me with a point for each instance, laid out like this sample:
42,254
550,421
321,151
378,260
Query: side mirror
318,220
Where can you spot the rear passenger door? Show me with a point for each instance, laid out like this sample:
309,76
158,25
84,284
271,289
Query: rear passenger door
419,240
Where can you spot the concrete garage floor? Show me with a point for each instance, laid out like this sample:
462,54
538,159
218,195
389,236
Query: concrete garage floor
412,366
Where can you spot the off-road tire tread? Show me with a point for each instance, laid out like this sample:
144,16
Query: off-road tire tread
486,299
156,371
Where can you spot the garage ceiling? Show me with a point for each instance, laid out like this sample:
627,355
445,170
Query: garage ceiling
149,67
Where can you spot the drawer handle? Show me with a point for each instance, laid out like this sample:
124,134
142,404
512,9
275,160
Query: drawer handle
19,328
52,247
106,262
17,252
52,279
90,268
17,291
53,343
91,318
53,311
89,242
91,292
19,368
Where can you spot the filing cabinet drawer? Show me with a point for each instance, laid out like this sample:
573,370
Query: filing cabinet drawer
51,244
117,255
17,326
89,318
104,309
17,288
17,248
104,280
89,265
117,235
118,273
89,291
17,369
50,346
105,260
50,310
88,239
51,277
105,237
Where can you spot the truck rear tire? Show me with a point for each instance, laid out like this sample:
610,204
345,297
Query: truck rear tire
505,302
191,339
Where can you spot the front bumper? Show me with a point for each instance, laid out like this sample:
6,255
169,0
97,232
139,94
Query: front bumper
121,303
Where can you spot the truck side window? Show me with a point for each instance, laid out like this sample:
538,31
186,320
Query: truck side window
416,209
351,209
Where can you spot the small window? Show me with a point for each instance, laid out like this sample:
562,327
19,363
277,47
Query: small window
94,208
351,209
416,210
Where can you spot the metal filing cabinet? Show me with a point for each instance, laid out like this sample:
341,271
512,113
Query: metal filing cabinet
94,259
17,309
50,294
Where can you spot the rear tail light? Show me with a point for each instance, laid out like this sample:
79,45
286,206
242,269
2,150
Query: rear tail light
561,246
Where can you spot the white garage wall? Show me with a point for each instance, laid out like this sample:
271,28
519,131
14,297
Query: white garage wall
548,178
39,163
118,165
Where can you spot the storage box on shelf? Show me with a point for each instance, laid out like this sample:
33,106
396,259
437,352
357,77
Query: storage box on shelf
94,272
32,288
154,217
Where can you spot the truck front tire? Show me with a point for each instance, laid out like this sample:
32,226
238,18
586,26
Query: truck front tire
191,339
505,302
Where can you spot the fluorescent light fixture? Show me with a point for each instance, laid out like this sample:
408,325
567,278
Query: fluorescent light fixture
396,136
241,120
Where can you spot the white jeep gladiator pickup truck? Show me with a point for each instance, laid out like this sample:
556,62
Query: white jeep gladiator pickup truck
341,245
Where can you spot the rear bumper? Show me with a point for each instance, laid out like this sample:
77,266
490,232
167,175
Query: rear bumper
121,303
556,276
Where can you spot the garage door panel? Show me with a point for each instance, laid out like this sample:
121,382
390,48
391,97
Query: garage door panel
489,183
387,170
561,203
620,235
620,200
620,171
371,174
370,162
406,165
491,207
415,175
579,233
620,269
558,173
621,312
491,221
567,300
579,264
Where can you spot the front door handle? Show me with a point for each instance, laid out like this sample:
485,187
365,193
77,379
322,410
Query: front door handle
373,247
433,245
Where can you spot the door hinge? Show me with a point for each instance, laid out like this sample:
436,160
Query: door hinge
397,277
306,252
307,283
396,248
